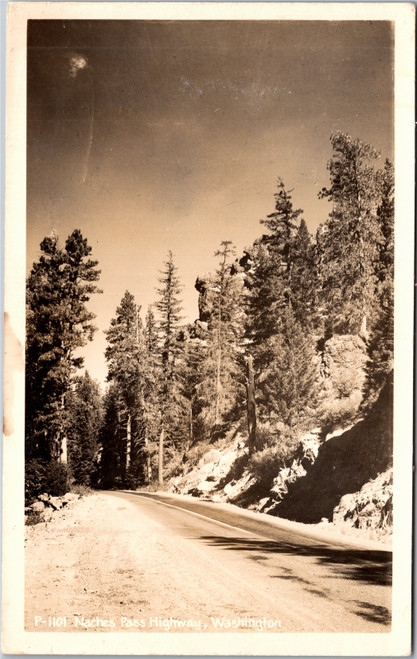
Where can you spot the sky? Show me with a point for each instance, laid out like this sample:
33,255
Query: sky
151,136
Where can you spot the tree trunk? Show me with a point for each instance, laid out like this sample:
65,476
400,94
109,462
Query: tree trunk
363,332
148,459
189,440
218,381
59,445
190,426
161,458
251,404
128,440
64,451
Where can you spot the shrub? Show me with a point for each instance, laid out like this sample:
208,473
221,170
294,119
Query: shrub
275,447
34,480
265,436
56,479
81,490
195,453
265,464
173,465
32,517
45,477
339,413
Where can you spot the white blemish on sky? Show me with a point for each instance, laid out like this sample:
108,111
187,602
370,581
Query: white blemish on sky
77,63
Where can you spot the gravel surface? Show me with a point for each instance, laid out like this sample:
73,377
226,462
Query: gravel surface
116,562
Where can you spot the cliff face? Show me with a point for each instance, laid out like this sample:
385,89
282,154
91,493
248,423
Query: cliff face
342,363
343,465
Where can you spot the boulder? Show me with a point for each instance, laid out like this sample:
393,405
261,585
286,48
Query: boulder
55,502
211,456
69,497
47,514
370,507
204,486
44,497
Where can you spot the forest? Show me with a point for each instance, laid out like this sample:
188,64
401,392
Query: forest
249,364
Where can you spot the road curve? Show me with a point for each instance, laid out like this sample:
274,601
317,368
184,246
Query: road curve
234,568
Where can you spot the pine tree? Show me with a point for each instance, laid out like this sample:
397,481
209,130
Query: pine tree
270,280
279,261
351,236
381,343
221,385
169,309
112,442
282,224
85,420
58,323
150,400
281,301
286,389
303,282
126,360
385,215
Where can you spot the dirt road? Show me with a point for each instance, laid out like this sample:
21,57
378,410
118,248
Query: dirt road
121,562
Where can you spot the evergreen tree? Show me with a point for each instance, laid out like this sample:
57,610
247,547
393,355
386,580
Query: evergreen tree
270,279
281,302
303,282
381,343
169,309
112,442
150,400
287,388
58,323
351,236
385,215
222,378
85,420
126,360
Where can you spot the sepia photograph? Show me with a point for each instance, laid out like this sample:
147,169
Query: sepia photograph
208,404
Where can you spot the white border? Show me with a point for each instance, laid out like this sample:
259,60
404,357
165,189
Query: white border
15,639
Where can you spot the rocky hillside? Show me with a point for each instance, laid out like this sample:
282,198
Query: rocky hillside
344,465
339,473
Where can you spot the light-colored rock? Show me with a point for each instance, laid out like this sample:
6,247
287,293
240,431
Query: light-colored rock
262,503
44,497
370,508
69,497
205,486
47,514
236,487
211,456
55,502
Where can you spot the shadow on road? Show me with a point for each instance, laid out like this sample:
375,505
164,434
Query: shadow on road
374,613
367,566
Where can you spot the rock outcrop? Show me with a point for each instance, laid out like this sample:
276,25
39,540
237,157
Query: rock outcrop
342,374
343,465
212,469
370,508
304,457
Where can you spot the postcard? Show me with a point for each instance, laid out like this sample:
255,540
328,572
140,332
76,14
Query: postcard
208,385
